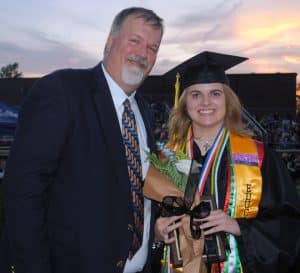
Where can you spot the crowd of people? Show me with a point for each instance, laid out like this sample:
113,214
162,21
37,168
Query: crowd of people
283,132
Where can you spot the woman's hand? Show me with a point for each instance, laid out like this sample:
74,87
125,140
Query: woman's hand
164,226
217,221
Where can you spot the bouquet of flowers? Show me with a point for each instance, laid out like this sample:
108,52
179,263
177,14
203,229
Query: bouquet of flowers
168,176
175,166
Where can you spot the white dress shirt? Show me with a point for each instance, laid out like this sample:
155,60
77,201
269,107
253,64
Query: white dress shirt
119,96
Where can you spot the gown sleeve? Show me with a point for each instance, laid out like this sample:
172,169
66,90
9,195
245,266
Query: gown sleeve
271,241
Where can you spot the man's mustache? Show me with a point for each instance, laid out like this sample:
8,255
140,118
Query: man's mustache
139,60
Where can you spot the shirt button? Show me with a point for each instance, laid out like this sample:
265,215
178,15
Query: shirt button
130,227
120,263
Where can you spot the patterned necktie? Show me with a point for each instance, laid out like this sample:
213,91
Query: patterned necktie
132,149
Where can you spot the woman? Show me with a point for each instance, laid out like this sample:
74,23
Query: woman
257,204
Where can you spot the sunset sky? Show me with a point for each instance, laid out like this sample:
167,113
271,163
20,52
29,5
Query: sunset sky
43,36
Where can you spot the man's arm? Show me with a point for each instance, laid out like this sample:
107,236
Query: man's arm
40,136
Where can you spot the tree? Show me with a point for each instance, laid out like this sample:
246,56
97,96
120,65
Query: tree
10,71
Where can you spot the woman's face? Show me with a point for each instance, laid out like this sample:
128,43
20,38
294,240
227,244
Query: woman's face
206,105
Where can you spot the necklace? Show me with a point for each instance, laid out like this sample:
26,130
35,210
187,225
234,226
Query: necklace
204,144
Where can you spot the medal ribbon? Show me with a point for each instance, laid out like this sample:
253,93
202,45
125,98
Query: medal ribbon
215,149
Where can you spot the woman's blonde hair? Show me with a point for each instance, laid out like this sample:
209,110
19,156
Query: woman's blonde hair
179,120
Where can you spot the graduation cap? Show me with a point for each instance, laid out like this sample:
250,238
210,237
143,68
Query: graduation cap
210,68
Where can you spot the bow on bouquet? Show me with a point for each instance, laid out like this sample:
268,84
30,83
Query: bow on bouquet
172,181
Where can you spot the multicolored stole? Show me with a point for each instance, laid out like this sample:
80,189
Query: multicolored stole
244,188
244,185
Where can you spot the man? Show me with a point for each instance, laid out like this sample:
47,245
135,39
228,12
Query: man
67,188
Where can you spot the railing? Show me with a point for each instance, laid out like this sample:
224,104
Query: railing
255,126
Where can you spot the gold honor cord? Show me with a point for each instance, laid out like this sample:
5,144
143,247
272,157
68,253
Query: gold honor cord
177,90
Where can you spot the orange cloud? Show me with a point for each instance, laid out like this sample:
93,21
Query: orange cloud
265,32
292,59
263,25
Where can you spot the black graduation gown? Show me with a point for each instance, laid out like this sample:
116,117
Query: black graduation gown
271,241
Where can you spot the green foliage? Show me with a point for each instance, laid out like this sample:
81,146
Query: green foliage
10,71
168,168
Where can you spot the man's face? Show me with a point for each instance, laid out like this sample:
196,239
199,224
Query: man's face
131,53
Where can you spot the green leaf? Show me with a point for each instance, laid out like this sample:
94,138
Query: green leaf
168,168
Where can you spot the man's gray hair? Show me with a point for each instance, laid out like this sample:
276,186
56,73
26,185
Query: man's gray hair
147,15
